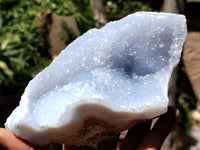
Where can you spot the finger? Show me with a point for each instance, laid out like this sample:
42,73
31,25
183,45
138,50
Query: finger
160,130
11,142
108,144
135,135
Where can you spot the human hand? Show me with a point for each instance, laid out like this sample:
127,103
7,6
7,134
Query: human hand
140,137
12,142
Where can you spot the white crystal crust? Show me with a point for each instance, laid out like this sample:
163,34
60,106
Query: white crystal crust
116,75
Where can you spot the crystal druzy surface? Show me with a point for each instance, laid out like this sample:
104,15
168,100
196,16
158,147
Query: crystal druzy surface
103,82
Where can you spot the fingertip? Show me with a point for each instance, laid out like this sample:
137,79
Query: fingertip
174,110
161,129
172,113
135,135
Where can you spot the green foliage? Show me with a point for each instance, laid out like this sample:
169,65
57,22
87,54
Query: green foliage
23,52
0,18
184,119
186,100
79,9
23,49
117,9
20,45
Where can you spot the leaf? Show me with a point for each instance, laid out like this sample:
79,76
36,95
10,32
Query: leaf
6,70
12,52
5,43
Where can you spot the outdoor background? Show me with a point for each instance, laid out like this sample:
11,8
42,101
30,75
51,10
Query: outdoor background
33,32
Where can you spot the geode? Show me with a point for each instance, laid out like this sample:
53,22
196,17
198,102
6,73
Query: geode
104,82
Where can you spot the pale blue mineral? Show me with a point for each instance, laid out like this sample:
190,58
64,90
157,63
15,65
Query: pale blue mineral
103,82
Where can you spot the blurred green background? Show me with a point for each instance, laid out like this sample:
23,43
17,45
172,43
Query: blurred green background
23,50
24,47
